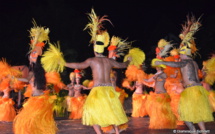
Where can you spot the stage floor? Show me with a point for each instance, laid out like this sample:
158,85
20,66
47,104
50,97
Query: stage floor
135,126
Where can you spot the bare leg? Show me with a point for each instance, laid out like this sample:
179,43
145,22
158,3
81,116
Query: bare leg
202,126
191,126
97,129
116,129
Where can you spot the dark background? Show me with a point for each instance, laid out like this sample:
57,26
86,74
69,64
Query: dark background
144,22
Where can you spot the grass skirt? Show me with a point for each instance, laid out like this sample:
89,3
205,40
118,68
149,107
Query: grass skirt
68,101
7,110
36,117
123,94
159,110
194,105
103,107
138,105
212,99
110,129
77,107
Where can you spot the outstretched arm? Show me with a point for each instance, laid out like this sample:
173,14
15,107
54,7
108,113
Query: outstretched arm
120,64
85,88
30,75
81,65
171,64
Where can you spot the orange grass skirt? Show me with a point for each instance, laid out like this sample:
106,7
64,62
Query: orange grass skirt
138,105
36,117
7,110
160,112
77,107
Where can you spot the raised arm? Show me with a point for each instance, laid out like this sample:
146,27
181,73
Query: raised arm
81,65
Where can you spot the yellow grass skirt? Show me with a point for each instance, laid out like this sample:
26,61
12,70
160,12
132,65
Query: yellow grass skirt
194,105
103,107
160,112
77,107
212,99
7,110
138,105
36,117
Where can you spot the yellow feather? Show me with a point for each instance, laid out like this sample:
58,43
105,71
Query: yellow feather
153,63
137,55
52,59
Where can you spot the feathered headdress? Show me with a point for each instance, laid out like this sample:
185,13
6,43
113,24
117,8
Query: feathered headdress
38,35
7,70
119,46
210,71
137,55
163,47
72,76
95,25
52,59
102,40
188,45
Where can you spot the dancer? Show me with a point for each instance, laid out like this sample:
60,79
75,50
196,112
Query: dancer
103,96
70,87
7,110
78,99
189,102
37,113
158,103
208,79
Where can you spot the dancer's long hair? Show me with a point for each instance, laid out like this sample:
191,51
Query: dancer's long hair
39,74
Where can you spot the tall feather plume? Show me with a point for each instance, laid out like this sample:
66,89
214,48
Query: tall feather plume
165,50
119,45
95,25
38,34
210,71
122,47
188,30
52,59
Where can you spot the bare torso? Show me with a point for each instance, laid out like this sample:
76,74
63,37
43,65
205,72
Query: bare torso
101,68
138,88
190,73
77,90
160,79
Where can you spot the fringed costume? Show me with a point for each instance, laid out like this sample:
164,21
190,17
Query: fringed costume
7,110
36,116
77,104
28,91
102,107
212,99
194,105
122,95
60,106
159,110
69,104
138,105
